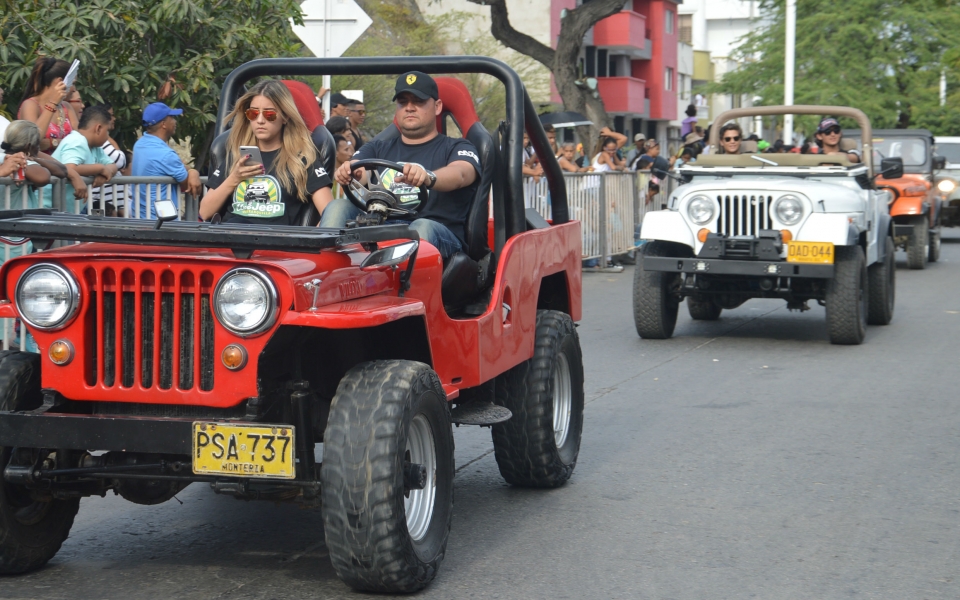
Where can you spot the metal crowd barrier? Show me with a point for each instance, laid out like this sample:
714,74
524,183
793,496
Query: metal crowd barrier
610,207
123,188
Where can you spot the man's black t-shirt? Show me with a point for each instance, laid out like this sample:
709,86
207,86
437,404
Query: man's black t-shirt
261,200
448,208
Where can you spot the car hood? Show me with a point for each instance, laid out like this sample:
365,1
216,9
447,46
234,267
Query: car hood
843,197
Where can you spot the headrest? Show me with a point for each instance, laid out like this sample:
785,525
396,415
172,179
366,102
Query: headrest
306,102
457,102
848,145
748,147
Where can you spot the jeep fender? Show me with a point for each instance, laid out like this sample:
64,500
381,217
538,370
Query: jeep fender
667,226
824,227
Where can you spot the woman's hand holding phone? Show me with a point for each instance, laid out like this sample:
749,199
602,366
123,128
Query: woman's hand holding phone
242,170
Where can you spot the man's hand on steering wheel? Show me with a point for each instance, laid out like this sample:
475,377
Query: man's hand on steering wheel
344,176
414,175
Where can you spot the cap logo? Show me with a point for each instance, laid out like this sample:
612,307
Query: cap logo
411,79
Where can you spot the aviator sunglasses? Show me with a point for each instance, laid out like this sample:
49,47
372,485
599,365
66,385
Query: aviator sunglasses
732,139
269,114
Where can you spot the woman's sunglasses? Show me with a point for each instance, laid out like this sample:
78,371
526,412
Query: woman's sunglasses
732,139
269,114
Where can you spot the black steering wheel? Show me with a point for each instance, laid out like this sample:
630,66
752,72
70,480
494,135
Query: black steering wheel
374,196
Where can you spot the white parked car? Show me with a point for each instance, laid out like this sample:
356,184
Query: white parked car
790,226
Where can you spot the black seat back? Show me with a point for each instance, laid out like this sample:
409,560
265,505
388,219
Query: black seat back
475,230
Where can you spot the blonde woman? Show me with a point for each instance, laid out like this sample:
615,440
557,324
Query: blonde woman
291,175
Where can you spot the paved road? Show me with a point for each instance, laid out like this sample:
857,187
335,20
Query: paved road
746,458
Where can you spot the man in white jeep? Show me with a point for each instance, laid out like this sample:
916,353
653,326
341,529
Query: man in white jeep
828,137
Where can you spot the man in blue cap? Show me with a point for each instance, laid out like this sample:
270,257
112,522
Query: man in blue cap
152,157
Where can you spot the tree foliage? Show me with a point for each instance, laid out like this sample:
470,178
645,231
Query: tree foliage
133,52
881,56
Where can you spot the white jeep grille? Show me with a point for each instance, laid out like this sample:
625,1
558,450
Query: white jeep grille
744,213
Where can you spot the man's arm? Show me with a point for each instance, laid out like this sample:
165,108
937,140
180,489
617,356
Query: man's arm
456,175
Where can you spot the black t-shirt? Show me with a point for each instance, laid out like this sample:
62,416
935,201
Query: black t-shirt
659,164
262,200
448,208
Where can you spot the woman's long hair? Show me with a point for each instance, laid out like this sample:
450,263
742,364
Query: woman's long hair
45,70
297,150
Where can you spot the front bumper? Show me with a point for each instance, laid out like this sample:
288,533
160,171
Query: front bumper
95,432
750,268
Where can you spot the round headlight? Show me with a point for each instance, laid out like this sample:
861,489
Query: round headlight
246,301
789,210
700,209
947,185
47,296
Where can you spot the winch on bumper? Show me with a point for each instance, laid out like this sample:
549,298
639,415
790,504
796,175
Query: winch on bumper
758,256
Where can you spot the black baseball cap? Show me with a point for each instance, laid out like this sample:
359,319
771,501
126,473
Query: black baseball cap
826,123
417,83
338,99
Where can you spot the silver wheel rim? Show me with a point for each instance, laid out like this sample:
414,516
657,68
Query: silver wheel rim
562,400
418,504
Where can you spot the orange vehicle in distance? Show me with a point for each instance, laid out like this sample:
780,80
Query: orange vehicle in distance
915,208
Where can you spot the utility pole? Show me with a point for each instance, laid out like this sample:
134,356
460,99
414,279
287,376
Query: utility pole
943,88
791,46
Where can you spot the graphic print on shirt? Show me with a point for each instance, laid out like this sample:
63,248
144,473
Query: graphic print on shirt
259,198
407,195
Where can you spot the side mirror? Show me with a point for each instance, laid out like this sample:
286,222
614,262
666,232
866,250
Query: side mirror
389,257
939,162
891,168
166,211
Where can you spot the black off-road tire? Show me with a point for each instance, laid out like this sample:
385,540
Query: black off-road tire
703,309
655,303
527,447
31,531
847,297
364,447
882,277
918,246
935,242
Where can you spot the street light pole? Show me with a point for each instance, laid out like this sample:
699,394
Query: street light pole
790,48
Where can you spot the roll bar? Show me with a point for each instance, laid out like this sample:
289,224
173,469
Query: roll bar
800,109
520,113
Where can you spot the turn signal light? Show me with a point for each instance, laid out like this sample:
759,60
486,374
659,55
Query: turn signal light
785,235
60,352
702,235
234,357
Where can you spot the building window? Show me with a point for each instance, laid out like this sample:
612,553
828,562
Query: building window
669,21
686,29
668,79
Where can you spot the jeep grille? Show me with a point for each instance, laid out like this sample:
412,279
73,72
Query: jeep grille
139,341
744,214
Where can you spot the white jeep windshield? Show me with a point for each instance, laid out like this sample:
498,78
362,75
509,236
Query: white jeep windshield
950,151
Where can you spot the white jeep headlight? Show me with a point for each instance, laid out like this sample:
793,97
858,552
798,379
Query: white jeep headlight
700,209
245,301
947,185
789,210
47,296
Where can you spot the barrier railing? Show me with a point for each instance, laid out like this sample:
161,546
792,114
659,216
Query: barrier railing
610,207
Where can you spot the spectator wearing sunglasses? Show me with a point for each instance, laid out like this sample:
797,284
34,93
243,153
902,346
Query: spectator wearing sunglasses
152,157
356,114
730,137
828,137
276,192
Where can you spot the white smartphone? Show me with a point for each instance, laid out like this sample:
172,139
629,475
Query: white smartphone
254,152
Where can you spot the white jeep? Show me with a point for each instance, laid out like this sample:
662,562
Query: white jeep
796,227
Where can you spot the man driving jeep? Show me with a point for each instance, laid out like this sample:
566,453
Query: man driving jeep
828,138
449,168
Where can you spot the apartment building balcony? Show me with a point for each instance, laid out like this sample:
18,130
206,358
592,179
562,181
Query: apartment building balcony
623,33
624,95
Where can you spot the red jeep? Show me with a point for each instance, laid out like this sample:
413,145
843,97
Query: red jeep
177,352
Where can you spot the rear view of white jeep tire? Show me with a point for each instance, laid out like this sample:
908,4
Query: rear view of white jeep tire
655,299
847,297
882,276
33,525
387,476
918,246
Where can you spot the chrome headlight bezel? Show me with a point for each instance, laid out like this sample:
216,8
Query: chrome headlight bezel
701,202
273,302
73,302
782,202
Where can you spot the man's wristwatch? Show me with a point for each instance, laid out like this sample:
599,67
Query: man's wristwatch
433,178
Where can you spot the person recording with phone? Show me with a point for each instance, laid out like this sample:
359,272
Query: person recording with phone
43,102
289,173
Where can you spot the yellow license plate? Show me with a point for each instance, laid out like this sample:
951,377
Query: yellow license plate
810,252
243,450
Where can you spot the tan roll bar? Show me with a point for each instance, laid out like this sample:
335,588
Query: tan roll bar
800,109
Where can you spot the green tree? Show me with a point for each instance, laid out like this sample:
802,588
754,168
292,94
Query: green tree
133,52
881,56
